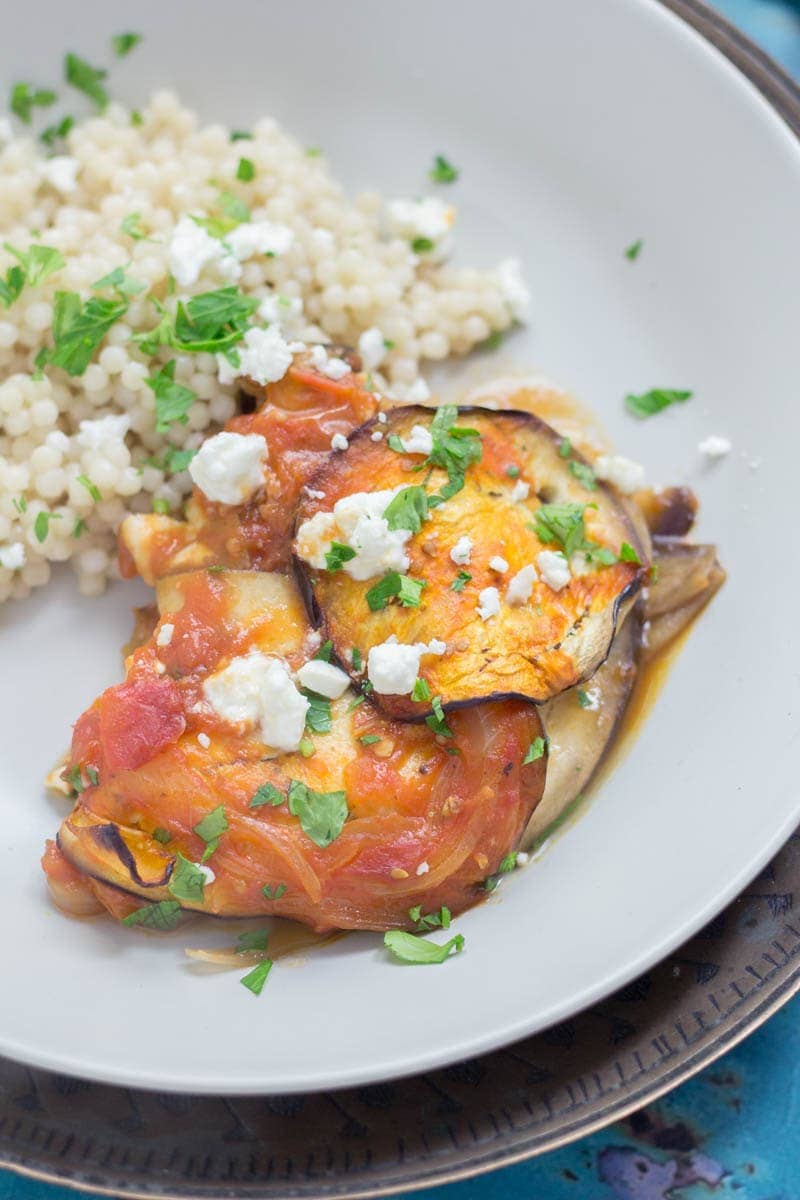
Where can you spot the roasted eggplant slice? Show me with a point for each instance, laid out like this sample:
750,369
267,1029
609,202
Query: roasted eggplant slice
368,818
298,417
686,576
481,541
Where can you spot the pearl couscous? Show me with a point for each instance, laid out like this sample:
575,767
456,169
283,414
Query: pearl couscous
150,211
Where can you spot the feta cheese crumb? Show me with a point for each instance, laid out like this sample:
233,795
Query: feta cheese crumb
377,436
496,563
522,858
435,646
372,348
625,475
323,678
205,870
204,740
382,417
282,310
423,868
419,441
160,669
259,237
462,551
229,467
520,491
164,635
392,668
12,556
514,288
553,568
190,249
488,603
356,521
332,368
591,699
429,218
521,586
714,447
256,690
94,435
61,172
314,493
264,356
339,442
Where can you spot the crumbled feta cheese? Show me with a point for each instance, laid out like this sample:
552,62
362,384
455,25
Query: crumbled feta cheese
520,491
160,669
258,237
332,368
423,868
496,563
419,441
229,467
60,172
93,435
372,348
204,740
521,585
164,635
488,603
382,417
591,699
357,521
429,218
462,551
514,288
323,678
553,568
339,442
12,556
255,690
281,310
190,249
314,493
205,870
625,475
392,668
522,858
264,357
435,646
714,447
377,436
418,392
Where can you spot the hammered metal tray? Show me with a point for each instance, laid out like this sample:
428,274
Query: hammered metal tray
477,1115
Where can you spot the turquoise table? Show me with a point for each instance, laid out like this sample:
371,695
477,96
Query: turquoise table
734,1130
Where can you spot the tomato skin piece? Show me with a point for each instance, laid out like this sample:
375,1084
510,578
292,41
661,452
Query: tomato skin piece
130,724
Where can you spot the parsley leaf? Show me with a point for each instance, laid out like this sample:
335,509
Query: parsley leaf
79,528
422,245
86,79
254,980
92,488
654,401
211,828
338,555
435,920
54,133
356,659
628,554
325,651
507,865
173,400
633,251
584,699
272,892
318,717
255,939
41,526
410,948
455,448
460,582
126,285
38,262
162,835
24,97
131,226
78,329
420,690
565,448
162,916
234,208
407,590
213,321
535,751
123,43
187,880
322,814
11,287
241,135
443,171
563,524
436,721
584,474
160,505
370,739
245,170
267,794
407,510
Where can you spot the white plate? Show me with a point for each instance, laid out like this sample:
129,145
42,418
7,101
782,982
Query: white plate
579,127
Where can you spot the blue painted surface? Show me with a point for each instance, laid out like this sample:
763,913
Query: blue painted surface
734,1131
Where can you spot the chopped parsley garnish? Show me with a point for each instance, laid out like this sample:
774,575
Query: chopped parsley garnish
160,505
212,321
493,342
123,43
57,132
37,263
425,922
460,582
173,400
369,739
584,699
436,721
535,751
131,226
86,79
318,717
313,151
162,916
267,794
25,97
443,171
241,135
512,472
174,460
563,524
628,554
273,891
233,207
422,245
92,488
117,279
254,980
411,948
245,170
79,528
187,880
507,865
20,504
654,401
325,651
162,835
41,526
407,590
395,443
407,510
136,117
355,658
322,814
211,829
565,448
583,473
92,776
338,555
78,329
420,690
255,939
455,448
599,554
633,251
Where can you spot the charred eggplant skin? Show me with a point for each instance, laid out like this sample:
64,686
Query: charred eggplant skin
532,651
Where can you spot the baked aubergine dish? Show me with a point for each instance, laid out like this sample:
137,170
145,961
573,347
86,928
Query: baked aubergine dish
390,645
